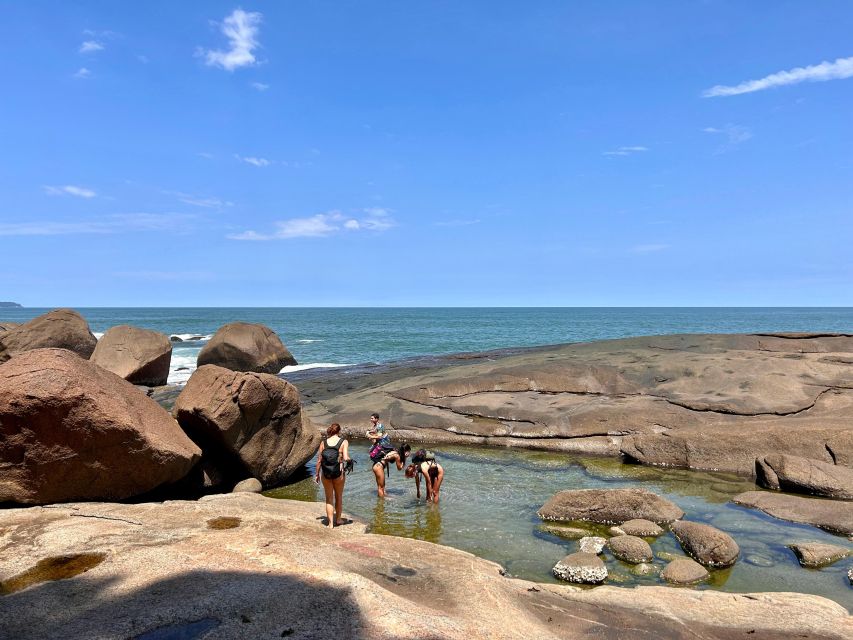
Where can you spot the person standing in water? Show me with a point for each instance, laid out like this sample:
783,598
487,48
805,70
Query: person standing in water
331,462
424,464
383,453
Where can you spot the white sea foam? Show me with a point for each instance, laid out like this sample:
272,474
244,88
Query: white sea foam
313,365
308,341
186,337
98,335
186,362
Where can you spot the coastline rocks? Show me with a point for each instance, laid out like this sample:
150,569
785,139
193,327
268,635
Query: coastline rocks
803,475
57,329
609,506
249,485
243,346
631,549
581,568
641,528
814,555
592,544
831,515
5,326
138,355
246,423
70,430
706,544
684,571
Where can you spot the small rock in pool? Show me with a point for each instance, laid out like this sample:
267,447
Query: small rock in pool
249,485
684,571
850,575
630,549
817,554
581,568
641,528
706,544
570,533
644,569
592,544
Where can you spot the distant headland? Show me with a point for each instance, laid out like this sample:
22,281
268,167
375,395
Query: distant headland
7,305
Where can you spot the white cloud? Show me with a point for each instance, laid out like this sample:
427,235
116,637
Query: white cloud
199,201
82,73
322,225
241,29
118,223
260,86
838,70
734,134
625,151
649,248
70,190
90,46
257,162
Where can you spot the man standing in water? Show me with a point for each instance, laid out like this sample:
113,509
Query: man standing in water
382,453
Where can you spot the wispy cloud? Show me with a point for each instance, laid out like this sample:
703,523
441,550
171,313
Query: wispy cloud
90,46
118,223
322,225
625,151
260,86
649,248
456,223
241,29
838,70
70,190
82,73
734,134
257,162
200,201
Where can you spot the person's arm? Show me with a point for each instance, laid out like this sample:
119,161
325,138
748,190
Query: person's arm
345,450
319,457
418,484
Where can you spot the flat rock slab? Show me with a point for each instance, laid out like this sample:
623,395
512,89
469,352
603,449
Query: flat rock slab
803,475
274,570
834,516
817,554
581,568
684,571
609,506
630,549
706,544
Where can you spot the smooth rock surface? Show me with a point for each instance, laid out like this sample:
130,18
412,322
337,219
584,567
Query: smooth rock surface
802,475
59,329
683,571
243,346
249,485
641,528
817,554
276,572
706,544
609,506
835,516
581,568
70,430
140,356
562,531
592,544
630,549
246,424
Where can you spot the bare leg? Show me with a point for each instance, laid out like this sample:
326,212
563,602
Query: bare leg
436,484
329,489
379,472
339,498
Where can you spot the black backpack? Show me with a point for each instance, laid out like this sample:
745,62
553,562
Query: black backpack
330,460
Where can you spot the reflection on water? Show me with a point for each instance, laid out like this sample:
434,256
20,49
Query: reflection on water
490,496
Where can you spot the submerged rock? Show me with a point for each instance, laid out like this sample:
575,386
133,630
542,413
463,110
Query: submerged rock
641,528
57,329
630,549
683,571
140,356
832,515
70,430
581,568
592,544
803,475
706,544
609,506
569,533
817,554
243,346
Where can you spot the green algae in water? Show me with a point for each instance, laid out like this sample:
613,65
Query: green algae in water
49,569
223,522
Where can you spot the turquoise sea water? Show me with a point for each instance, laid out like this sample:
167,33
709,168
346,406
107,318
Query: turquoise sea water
341,336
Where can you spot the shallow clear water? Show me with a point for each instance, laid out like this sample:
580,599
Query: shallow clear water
490,497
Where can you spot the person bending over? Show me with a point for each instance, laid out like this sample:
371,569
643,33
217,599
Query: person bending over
424,464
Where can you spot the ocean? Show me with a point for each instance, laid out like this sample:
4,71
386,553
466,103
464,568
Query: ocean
334,337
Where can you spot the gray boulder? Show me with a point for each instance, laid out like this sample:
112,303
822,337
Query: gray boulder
706,544
630,549
609,506
57,329
817,554
581,568
140,356
803,475
242,346
683,571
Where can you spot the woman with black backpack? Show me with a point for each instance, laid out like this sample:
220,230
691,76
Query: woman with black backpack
331,461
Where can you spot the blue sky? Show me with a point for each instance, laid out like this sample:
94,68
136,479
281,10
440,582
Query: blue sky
430,153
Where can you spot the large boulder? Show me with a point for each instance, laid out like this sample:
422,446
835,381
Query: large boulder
581,568
609,506
242,346
140,356
706,544
803,475
60,329
831,515
70,430
247,424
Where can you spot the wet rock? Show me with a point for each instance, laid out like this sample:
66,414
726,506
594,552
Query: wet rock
609,506
592,544
630,549
850,575
138,355
641,528
70,430
57,329
684,571
581,568
246,423
569,533
817,554
803,475
644,569
243,346
175,339
832,515
706,544
249,485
